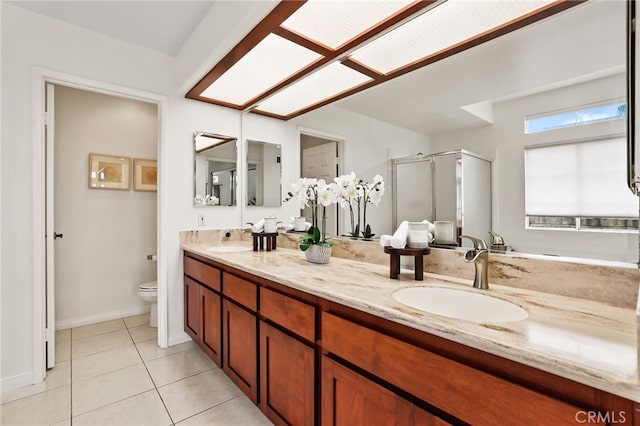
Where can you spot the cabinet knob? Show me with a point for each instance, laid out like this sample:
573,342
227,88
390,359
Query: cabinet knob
56,235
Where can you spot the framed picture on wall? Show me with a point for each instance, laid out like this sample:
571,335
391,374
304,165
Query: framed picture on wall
109,172
145,175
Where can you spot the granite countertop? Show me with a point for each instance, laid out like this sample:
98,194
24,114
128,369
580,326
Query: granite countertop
589,342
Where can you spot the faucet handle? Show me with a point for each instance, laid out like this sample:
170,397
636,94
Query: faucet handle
478,243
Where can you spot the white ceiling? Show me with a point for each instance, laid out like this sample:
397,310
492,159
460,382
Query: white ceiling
585,41
158,25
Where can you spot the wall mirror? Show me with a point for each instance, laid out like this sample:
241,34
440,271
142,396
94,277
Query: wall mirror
478,100
215,170
264,173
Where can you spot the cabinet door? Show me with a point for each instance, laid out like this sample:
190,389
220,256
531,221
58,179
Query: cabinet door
211,325
351,399
240,348
287,385
192,310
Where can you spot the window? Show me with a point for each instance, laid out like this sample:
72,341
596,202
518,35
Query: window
579,117
579,185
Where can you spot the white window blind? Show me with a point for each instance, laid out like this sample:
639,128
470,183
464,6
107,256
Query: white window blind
578,179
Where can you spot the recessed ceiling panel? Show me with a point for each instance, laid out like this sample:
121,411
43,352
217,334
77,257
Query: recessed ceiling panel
448,24
323,84
333,23
267,64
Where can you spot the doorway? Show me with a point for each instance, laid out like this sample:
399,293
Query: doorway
44,331
320,158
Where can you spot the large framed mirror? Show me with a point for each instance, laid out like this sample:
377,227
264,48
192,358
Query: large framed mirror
264,174
215,170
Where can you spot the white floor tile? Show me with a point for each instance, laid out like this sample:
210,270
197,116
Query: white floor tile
63,336
197,393
45,408
137,320
143,332
105,362
102,390
179,366
100,343
63,350
57,377
145,409
238,411
97,329
150,350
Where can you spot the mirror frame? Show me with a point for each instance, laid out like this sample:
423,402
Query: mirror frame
221,140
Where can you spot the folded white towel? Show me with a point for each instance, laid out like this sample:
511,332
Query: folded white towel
399,238
385,240
258,226
432,227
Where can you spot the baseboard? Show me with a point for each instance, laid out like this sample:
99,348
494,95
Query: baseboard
8,384
92,319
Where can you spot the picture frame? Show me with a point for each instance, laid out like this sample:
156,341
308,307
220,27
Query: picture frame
145,175
109,172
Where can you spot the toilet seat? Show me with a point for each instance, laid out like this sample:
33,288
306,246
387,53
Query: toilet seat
148,287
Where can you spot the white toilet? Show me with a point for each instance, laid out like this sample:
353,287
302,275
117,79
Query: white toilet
149,293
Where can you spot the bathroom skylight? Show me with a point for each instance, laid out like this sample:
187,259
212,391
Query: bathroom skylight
352,45
321,85
267,64
444,26
333,23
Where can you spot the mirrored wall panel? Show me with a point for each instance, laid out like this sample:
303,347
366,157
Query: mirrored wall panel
215,169
264,172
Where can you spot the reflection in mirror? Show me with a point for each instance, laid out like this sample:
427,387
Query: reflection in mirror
215,169
478,100
264,171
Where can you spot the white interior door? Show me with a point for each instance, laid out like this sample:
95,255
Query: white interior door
51,236
321,162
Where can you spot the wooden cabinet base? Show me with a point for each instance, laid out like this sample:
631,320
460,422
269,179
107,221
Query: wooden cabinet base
287,371
240,348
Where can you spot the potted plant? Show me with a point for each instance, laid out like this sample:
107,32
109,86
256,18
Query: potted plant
316,194
356,194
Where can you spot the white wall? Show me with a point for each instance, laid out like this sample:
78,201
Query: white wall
107,234
30,40
505,140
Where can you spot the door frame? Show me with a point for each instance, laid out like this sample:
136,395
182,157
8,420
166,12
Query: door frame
40,77
340,142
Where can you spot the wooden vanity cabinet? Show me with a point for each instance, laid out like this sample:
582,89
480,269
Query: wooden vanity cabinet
305,360
287,359
349,398
240,333
459,390
202,307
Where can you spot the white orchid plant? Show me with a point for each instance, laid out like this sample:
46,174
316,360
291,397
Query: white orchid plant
313,193
356,194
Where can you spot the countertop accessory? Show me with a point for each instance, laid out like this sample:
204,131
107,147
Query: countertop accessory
418,235
317,253
394,262
259,240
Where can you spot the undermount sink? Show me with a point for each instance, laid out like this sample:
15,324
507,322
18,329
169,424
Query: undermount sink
460,304
228,249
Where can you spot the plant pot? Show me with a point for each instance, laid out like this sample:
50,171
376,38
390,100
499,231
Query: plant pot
318,254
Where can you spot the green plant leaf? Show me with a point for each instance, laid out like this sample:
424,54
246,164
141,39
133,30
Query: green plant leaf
304,246
316,235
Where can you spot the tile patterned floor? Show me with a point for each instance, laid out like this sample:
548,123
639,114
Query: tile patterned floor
113,373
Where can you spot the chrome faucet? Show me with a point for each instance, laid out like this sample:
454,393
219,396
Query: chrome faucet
479,255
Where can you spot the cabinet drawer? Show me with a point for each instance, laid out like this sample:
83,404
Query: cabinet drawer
443,383
241,291
296,316
207,275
